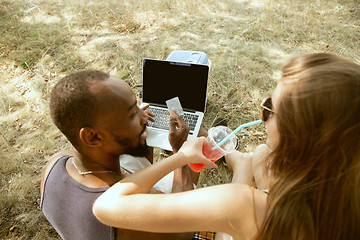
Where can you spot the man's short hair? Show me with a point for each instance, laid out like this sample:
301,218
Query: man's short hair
72,103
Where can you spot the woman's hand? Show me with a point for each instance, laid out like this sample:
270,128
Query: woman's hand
192,151
240,164
237,160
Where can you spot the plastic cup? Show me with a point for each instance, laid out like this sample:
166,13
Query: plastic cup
215,135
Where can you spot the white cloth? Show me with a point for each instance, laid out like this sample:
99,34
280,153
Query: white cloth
133,164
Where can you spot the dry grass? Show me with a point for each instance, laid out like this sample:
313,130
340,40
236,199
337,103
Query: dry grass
42,41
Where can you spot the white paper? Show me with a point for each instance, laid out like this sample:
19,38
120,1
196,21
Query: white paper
174,103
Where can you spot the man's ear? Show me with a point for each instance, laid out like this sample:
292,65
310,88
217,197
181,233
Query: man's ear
90,137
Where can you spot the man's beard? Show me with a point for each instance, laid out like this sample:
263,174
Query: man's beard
141,150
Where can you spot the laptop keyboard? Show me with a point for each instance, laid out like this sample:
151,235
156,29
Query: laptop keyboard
162,119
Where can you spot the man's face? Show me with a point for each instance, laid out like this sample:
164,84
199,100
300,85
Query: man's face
122,123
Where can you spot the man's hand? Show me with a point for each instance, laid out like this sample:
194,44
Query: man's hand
178,131
148,113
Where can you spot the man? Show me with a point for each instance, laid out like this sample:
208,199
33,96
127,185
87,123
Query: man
99,115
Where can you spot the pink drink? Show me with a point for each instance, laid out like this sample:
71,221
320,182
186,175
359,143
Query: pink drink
213,155
215,136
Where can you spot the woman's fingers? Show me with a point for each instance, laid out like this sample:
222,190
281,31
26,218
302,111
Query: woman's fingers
193,152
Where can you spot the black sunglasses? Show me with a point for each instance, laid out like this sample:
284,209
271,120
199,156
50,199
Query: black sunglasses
266,109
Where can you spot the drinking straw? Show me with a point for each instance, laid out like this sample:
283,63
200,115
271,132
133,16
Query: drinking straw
236,130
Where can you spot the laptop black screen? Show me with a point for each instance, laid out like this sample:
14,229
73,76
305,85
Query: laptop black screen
163,80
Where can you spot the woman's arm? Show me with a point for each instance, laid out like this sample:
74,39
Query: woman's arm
143,180
223,208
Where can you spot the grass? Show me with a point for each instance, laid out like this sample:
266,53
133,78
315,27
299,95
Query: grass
44,40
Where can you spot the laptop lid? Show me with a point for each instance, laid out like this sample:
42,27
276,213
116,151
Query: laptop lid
163,80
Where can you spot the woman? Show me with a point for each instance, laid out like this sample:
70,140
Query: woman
313,125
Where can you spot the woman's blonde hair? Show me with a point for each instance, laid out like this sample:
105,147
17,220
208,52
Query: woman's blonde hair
317,162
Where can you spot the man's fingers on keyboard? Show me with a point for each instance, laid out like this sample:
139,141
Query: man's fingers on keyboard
150,114
145,107
151,119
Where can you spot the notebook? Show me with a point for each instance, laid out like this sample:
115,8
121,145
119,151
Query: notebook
164,80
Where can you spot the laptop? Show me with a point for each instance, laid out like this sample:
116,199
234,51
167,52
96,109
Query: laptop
164,80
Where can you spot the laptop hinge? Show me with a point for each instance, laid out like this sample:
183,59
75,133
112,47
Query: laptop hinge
189,110
164,106
158,105
181,64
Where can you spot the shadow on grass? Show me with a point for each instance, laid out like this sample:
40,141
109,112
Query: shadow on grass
27,43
